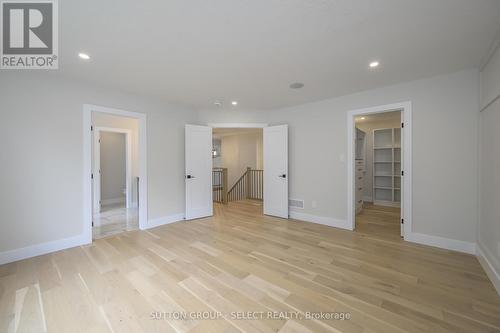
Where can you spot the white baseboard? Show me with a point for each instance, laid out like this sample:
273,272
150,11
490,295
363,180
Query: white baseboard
165,220
331,222
40,249
112,201
444,243
486,261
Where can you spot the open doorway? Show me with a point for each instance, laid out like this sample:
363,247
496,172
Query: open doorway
237,174
199,171
115,164
115,174
379,175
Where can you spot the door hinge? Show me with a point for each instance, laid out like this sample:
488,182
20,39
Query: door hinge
91,128
91,176
402,221
92,223
402,173
402,125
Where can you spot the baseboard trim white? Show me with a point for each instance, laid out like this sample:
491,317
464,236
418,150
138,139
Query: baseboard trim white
441,242
40,249
486,261
165,220
331,222
113,201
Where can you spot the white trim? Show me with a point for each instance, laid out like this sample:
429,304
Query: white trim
87,165
441,242
97,165
113,201
237,125
328,221
406,163
165,220
40,249
486,261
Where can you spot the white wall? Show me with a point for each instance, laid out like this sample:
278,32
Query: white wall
239,152
368,128
113,166
41,137
445,142
100,119
489,185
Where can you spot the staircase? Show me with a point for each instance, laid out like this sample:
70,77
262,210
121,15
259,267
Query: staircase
219,185
249,186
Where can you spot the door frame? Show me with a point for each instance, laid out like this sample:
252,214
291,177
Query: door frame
406,161
87,165
97,165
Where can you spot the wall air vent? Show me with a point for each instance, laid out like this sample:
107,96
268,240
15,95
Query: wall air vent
295,203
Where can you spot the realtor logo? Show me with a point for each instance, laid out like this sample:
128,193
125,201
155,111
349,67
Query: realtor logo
29,34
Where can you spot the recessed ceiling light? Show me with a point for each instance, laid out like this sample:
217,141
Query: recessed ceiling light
84,56
218,103
297,85
363,118
234,102
374,64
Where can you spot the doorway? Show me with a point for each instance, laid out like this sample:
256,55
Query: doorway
203,183
237,156
115,177
379,165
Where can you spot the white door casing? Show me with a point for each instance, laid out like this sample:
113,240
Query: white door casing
276,171
198,176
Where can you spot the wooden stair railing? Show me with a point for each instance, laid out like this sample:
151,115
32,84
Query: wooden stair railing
249,186
219,185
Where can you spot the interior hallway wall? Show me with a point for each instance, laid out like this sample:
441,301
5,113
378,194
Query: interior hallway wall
239,152
113,167
100,119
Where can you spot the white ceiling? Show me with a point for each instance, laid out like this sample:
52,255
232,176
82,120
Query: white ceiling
197,51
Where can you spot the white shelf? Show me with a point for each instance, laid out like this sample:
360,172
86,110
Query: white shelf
387,166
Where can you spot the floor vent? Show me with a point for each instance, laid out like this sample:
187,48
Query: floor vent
295,203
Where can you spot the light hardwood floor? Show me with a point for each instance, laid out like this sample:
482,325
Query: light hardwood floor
240,260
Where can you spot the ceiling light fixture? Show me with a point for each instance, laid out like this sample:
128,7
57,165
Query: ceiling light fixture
374,64
218,103
363,118
234,103
296,85
84,56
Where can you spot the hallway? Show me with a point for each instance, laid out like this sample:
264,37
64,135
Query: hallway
114,219
380,221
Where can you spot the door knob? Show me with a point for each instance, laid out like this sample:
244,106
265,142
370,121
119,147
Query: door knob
190,177
282,176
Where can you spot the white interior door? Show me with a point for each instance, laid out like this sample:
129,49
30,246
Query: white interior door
276,171
198,175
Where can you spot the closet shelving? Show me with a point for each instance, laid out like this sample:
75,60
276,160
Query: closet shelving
387,166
